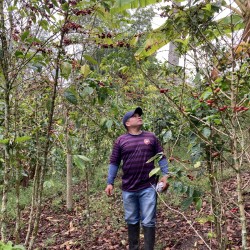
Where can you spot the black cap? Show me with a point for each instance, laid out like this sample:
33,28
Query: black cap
129,114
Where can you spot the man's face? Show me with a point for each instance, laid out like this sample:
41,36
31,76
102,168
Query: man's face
134,121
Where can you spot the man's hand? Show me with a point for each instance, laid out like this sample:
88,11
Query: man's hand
165,183
109,189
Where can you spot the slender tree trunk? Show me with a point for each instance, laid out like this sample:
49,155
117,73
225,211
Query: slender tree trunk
241,204
69,181
236,160
47,144
4,67
18,175
35,183
69,200
237,167
6,177
18,213
215,201
7,170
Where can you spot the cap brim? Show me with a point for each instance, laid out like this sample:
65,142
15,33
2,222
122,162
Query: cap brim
138,111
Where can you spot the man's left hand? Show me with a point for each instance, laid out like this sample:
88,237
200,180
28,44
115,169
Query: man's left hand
165,183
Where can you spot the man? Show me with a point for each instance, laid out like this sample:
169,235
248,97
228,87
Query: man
134,149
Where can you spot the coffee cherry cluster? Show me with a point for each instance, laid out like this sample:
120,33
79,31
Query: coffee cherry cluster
71,26
103,35
223,108
73,2
84,12
162,91
240,108
67,41
118,44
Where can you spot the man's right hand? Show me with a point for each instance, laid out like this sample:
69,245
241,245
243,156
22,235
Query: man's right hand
109,189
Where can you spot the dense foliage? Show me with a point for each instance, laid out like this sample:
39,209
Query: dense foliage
70,69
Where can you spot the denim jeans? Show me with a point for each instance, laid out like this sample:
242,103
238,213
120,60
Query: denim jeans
140,206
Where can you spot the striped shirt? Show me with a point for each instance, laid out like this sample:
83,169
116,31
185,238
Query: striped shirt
134,151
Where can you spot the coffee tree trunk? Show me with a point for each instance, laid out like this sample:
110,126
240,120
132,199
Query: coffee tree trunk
237,163
69,200
6,86
18,212
38,149
40,171
216,204
69,181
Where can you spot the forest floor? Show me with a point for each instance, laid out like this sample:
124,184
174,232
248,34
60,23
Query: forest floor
100,225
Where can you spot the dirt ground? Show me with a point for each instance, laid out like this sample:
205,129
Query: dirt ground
104,228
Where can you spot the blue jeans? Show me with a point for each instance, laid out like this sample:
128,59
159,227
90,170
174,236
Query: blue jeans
140,205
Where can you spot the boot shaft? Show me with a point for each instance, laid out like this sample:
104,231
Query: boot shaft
149,238
133,236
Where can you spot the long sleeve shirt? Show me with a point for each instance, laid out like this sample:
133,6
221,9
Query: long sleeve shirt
133,151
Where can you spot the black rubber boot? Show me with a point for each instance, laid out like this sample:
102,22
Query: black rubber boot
149,238
134,236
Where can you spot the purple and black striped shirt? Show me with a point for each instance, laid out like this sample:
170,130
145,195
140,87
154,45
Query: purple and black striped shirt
133,151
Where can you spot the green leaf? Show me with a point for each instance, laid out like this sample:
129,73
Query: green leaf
134,40
196,153
19,54
178,186
211,118
24,35
121,5
197,78
197,164
23,139
44,24
4,141
203,220
85,70
190,191
87,91
154,171
124,69
70,96
151,46
185,189
230,19
90,59
66,70
196,195
183,41
80,161
84,158
49,184
198,204
207,7
158,155
109,124
206,132
167,136
211,235
55,2
206,94
65,6
11,8
186,203
18,247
